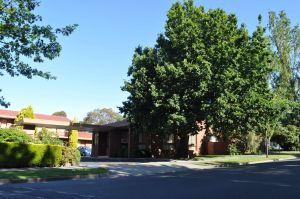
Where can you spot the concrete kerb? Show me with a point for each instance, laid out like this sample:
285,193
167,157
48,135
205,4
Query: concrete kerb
270,161
252,163
34,180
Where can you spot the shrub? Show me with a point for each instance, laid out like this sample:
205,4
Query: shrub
142,153
29,155
122,151
77,156
47,137
73,137
14,135
233,149
253,143
70,156
167,154
288,138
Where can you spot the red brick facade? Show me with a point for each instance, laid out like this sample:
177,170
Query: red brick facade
57,124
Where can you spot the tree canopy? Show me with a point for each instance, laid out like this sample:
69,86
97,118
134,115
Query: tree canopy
102,116
203,68
23,39
286,77
25,113
73,137
60,113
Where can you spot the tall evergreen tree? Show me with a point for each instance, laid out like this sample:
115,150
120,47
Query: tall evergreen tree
73,137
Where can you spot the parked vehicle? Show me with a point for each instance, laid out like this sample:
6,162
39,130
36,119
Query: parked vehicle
85,151
275,146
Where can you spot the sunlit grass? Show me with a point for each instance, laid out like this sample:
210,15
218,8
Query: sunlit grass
243,159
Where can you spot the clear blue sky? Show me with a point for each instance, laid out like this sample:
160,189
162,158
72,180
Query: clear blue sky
94,60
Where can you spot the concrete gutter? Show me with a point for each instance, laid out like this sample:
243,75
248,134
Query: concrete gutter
270,161
252,163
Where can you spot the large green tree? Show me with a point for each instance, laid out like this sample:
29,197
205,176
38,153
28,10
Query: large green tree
102,116
204,67
242,104
24,39
286,42
60,113
286,78
168,81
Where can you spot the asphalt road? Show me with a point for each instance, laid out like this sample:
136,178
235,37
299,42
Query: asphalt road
272,180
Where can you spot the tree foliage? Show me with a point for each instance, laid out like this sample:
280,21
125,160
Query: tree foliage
14,135
22,38
25,113
73,137
60,113
204,67
286,77
45,136
286,42
102,116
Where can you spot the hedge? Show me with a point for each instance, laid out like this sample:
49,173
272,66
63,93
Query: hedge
29,155
14,135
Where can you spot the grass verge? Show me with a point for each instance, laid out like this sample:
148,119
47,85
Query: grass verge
225,160
48,173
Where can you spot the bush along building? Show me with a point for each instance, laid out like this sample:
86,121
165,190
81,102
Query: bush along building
57,124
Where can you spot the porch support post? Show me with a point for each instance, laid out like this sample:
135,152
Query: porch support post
129,143
108,153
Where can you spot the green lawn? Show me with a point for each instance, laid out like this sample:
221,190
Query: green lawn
242,159
48,173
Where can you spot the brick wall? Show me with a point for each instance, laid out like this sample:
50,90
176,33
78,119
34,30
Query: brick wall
217,148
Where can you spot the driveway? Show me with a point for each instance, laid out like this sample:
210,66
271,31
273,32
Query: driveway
144,168
271,180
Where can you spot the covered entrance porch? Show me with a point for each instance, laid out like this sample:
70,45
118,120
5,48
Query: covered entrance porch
110,140
113,141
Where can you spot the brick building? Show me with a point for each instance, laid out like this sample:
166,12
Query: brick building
111,140
59,125
116,140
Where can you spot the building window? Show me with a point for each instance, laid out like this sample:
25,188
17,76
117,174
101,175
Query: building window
192,140
29,127
3,123
124,137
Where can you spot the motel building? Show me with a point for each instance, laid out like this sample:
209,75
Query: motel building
109,140
117,140
59,125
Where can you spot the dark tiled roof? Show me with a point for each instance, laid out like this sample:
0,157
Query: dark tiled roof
123,123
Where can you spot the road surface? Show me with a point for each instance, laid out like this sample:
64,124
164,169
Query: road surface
271,180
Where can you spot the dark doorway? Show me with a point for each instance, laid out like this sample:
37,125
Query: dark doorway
103,144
